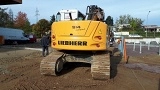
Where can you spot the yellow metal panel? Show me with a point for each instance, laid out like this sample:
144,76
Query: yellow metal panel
79,35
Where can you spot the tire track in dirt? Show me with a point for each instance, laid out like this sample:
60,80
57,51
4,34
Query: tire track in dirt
24,74
19,67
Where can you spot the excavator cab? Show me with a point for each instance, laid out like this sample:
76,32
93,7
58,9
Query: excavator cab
71,14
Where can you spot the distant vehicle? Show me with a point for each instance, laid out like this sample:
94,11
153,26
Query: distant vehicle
32,38
1,40
13,36
134,35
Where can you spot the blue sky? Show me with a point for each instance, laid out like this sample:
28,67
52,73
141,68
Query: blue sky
114,8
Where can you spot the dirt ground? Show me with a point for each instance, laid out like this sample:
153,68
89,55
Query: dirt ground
20,70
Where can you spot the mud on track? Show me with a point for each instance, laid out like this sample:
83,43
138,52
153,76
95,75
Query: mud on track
20,71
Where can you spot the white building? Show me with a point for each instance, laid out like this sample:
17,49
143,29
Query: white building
158,29
151,28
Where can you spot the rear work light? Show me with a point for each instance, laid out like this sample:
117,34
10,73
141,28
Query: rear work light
53,36
97,45
98,37
54,43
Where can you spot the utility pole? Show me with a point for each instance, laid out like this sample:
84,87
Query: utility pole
37,14
11,15
147,23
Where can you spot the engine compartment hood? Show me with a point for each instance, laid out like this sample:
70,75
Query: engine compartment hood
74,28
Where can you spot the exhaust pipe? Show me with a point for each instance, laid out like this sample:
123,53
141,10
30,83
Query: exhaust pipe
70,15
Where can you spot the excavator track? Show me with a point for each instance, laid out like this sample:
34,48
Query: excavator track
100,66
52,64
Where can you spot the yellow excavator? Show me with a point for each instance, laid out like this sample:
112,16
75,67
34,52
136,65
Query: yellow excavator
82,38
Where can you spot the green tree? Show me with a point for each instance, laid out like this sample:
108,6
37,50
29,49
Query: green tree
52,19
123,19
4,18
41,27
35,30
10,22
135,23
27,27
109,21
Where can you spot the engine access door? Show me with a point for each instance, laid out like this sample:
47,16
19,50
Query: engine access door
74,28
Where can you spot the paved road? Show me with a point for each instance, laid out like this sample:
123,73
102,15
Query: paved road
130,52
144,50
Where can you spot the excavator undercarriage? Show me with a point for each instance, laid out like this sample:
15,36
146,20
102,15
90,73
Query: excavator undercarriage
100,62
